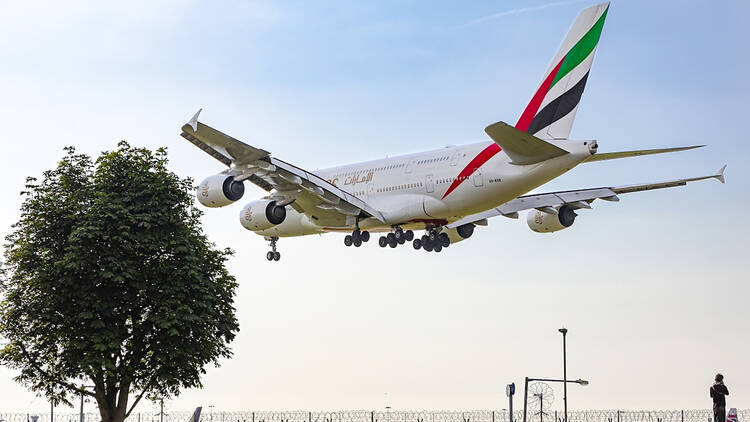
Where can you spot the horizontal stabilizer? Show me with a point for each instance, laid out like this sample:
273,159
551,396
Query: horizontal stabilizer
637,153
521,147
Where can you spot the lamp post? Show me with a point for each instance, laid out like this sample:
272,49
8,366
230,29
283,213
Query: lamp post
564,331
83,387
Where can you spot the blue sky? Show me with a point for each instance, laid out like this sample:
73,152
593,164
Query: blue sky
652,288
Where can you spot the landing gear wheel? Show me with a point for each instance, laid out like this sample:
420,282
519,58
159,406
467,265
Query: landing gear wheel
276,256
348,240
409,235
432,235
365,236
356,236
425,239
357,243
444,240
417,244
382,241
427,246
270,255
398,233
402,240
438,247
393,243
391,238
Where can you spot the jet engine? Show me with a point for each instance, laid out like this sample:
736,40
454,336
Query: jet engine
262,214
219,190
542,222
460,233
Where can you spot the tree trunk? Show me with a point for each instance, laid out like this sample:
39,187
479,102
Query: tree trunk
112,407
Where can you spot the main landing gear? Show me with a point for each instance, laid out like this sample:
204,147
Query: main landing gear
357,238
432,241
273,255
395,238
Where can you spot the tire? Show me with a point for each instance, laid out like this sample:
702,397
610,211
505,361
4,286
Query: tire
445,240
356,236
438,247
417,244
393,243
425,240
357,243
409,235
348,240
402,240
383,242
276,256
365,236
433,236
398,233
391,238
269,256
427,246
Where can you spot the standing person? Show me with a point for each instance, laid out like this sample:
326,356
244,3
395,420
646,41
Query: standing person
717,392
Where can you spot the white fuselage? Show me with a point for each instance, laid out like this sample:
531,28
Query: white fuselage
435,187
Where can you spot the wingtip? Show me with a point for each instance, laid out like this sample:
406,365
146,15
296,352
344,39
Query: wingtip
720,174
194,120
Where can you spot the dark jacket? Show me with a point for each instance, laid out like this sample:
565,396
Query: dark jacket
717,392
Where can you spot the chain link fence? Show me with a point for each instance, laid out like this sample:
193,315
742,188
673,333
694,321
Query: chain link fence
694,415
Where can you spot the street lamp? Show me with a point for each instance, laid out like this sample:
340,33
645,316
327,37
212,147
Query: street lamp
564,331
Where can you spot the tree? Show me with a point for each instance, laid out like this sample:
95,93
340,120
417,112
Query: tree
109,280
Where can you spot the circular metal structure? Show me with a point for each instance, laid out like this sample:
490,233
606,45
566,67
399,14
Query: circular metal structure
541,397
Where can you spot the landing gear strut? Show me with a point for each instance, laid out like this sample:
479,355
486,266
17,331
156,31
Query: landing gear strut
395,238
273,255
433,240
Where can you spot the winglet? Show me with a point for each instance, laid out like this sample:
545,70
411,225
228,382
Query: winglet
194,120
720,174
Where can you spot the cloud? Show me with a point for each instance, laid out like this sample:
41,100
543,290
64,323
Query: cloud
520,10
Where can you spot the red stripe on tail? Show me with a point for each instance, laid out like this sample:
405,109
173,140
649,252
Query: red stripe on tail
528,114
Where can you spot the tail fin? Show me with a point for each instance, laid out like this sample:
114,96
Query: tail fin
552,109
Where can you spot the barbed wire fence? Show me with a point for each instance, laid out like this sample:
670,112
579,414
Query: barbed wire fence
693,415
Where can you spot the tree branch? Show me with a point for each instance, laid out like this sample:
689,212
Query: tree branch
140,396
50,377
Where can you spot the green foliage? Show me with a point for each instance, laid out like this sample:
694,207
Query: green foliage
108,278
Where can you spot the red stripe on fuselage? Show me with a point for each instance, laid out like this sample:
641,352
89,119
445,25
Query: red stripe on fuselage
523,124
528,114
470,168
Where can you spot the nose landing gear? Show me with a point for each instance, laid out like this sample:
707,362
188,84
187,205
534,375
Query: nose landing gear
273,254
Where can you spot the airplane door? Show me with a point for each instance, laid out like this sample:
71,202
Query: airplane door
410,166
478,179
370,189
454,159
429,184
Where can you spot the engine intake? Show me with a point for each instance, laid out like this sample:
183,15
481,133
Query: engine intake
219,190
262,215
542,222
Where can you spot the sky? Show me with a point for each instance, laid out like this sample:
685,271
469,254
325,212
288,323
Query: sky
653,289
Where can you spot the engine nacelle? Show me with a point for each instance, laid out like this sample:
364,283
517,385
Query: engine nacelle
542,222
261,215
219,190
460,233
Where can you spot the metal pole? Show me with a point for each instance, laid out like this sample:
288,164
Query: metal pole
541,407
51,412
510,408
82,404
161,410
564,331
525,396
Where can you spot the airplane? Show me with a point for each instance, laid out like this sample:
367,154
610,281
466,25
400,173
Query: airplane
446,192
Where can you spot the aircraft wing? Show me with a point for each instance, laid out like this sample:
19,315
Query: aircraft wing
581,198
304,191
